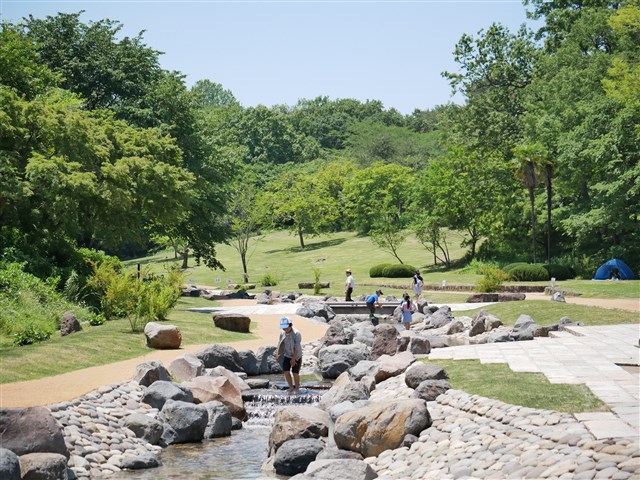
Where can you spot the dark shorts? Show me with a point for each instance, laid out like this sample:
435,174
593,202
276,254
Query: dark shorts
372,308
286,365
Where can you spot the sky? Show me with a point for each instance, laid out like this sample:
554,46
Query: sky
277,52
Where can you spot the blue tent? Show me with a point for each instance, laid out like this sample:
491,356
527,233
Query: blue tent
606,269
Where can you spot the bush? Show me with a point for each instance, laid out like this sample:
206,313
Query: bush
560,272
526,272
493,278
268,280
378,270
392,270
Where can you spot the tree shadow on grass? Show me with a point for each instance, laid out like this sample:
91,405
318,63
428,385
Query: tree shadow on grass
311,246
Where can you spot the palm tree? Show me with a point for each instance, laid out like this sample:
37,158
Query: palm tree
530,162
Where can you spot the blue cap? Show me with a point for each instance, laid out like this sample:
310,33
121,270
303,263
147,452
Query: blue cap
285,322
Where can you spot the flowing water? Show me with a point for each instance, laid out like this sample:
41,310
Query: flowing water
238,457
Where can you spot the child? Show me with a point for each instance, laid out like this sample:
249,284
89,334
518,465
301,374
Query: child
406,311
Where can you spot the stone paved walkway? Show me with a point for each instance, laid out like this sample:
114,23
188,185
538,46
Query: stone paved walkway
580,355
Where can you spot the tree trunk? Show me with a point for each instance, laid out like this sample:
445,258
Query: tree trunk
185,258
300,236
532,200
548,182
245,274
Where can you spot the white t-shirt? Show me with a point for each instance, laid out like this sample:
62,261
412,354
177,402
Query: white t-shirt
350,282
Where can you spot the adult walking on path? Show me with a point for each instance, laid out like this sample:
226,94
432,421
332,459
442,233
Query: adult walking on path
71,385
349,285
417,285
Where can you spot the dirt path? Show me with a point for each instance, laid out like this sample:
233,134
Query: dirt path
80,382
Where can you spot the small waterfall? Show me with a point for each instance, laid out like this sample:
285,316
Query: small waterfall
261,405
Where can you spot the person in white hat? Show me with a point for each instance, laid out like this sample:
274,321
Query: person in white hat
290,350
348,286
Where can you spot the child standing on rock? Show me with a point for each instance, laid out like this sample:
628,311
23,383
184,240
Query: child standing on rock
407,310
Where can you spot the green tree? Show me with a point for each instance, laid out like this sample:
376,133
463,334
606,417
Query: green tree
244,223
300,202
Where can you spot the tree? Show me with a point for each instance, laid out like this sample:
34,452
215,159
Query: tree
431,233
529,163
301,202
244,221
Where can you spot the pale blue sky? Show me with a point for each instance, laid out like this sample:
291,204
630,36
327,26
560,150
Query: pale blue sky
274,52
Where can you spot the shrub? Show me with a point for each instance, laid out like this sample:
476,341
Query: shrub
398,271
560,272
316,281
378,270
392,270
31,333
268,280
527,272
493,278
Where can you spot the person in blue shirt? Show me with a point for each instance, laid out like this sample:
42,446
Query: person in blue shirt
373,302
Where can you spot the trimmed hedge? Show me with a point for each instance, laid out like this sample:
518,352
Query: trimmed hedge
527,272
392,270
560,272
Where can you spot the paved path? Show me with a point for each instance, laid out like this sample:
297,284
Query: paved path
581,355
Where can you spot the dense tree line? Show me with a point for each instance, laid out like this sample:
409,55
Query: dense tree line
102,148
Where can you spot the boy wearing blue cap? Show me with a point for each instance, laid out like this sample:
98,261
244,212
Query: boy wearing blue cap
290,349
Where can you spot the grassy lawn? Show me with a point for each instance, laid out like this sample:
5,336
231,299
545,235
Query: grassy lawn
106,344
532,390
546,313
279,254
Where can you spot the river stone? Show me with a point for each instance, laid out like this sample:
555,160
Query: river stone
419,372
183,422
217,355
149,372
146,460
392,366
144,427
297,422
350,392
9,465
159,392
162,336
249,362
429,390
385,341
207,389
266,359
340,469
234,322
43,466
294,456
219,420
31,430
380,426
186,367
335,359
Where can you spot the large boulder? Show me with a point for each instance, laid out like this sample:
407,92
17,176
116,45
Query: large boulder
342,469
69,324
294,456
441,317
186,367
145,460
9,465
183,422
337,334
219,420
380,426
162,336
267,363
43,466
335,359
297,422
208,389
31,430
429,390
385,341
419,372
391,366
524,328
419,344
233,377
144,427
234,322
347,392
249,362
158,393
149,372
217,355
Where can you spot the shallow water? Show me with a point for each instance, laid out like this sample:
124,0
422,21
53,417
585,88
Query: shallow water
238,457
